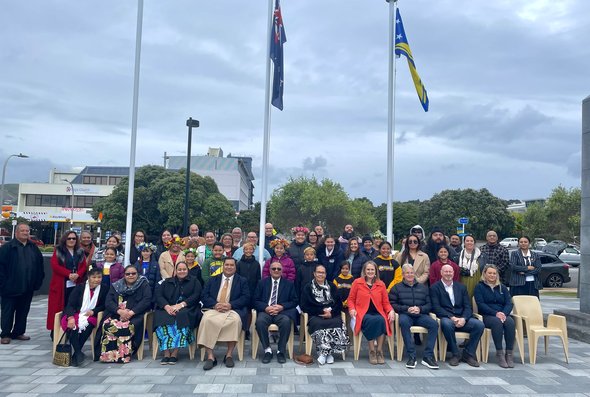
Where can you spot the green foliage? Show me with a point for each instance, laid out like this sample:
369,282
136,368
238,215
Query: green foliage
249,220
484,210
405,215
159,202
309,202
559,218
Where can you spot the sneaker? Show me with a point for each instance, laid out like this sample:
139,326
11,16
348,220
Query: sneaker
454,361
164,360
330,359
322,359
172,360
429,362
411,363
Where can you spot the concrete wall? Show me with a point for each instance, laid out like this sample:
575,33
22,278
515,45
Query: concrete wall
585,223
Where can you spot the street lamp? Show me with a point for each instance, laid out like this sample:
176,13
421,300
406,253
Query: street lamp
71,204
190,123
22,156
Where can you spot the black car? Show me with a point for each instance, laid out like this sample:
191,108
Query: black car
554,271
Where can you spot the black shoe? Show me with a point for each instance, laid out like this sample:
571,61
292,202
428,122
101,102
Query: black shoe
429,362
266,358
411,363
454,361
247,336
470,360
164,360
209,364
172,360
74,361
228,361
281,358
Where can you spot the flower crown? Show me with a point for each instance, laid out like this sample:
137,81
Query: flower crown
175,240
299,228
146,246
190,250
278,241
379,235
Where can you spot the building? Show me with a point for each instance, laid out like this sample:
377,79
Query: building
522,205
233,174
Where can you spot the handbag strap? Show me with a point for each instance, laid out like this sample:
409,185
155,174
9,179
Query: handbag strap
66,335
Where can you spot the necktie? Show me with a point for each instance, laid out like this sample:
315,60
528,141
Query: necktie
527,260
273,295
224,290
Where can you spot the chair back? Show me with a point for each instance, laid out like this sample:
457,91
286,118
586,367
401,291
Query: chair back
528,307
474,305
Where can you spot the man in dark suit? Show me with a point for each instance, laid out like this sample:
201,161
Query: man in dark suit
227,296
450,302
275,302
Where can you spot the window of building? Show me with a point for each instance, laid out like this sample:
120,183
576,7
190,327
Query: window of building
114,180
52,200
95,180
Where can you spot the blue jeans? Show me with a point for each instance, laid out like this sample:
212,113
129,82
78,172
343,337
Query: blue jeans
472,326
423,320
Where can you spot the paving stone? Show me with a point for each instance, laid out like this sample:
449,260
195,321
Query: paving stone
52,388
92,389
237,388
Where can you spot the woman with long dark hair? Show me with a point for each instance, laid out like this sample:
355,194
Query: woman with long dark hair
419,260
68,265
526,266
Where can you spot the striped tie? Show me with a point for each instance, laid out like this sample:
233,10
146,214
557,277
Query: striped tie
273,295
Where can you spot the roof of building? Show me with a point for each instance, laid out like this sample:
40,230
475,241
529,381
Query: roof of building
98,170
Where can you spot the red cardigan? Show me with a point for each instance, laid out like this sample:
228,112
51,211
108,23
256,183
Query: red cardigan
358,299
57,286
434,272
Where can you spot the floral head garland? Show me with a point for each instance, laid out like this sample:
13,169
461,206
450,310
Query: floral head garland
191,251
379,235
279,241
175,240
146,246
298,229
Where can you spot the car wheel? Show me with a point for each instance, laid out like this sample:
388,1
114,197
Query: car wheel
554,280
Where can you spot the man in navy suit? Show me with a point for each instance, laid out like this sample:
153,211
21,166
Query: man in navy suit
227,297
450,303
275,301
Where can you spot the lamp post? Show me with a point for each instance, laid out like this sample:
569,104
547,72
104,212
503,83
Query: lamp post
190,123
71,204
22,156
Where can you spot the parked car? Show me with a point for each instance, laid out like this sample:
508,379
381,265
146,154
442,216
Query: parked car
539,243
571,256
36,241
554,271
4,239
509,242
555,247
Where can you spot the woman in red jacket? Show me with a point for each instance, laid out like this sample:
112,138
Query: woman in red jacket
68,265
369,306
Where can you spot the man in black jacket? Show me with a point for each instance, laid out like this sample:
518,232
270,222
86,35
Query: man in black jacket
21,273
450,302
411,300
275,302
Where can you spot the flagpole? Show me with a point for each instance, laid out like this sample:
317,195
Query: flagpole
128,225
391,121
266,142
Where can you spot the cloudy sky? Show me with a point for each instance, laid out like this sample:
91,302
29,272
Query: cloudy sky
505,81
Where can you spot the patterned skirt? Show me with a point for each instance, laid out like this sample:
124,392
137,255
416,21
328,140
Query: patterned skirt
330,340
172,337
116,341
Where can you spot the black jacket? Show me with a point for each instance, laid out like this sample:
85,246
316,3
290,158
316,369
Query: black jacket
296,252
310,306
403,296
250,269
239,296
441,302
21,268
286,297
76,297
139,301
173,291
304,276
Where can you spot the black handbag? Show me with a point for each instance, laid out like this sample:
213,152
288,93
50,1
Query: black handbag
63,351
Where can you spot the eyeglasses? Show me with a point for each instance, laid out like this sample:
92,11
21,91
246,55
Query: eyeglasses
276,269
131,274
412,241
140,235
72,238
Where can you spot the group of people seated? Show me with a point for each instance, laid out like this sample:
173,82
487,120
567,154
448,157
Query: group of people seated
196,283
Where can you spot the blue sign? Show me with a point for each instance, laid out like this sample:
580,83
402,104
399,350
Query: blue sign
55,225
462,234
463,221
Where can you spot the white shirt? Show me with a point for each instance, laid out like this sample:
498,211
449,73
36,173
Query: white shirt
449,289
230,280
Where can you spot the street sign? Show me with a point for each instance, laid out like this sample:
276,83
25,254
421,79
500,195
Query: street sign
55,226
462,234
463,221
14,222
460,230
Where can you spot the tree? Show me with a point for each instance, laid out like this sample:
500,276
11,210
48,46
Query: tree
250,220
405,215
559,218
484,210
309,202
159,202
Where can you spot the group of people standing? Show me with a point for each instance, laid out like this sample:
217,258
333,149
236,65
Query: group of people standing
212,284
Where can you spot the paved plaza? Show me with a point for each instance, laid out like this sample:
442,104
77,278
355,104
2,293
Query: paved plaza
26,370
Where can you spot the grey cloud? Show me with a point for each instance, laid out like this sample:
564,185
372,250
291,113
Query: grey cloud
314,164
